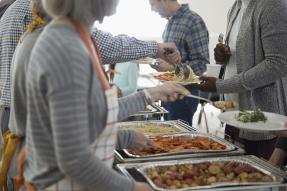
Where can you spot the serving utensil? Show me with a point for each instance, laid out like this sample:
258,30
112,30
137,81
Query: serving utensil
182,70
200,98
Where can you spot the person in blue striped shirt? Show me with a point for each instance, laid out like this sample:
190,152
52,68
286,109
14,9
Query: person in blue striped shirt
188,31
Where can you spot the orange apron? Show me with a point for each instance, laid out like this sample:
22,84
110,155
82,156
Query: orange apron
105,143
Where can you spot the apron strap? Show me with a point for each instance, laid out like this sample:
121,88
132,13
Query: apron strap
94,54
11,142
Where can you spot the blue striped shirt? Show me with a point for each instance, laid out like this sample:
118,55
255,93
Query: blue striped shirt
189,32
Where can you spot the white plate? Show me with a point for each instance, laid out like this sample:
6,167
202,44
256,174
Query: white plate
196,81
183,83
274,122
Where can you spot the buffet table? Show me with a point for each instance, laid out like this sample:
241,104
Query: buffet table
131,171
207,150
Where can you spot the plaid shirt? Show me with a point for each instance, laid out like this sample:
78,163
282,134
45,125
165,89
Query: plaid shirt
12,26
122,48
188,31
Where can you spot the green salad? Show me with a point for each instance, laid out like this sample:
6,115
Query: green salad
253,116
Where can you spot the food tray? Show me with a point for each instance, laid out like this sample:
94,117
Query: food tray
276,179
137,125
229,147
151,109
131,171
122,157
153,112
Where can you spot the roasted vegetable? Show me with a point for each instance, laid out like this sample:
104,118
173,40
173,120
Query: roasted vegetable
193,175
168,144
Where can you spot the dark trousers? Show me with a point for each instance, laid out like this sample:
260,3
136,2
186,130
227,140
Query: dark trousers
4,119
261,149
181,109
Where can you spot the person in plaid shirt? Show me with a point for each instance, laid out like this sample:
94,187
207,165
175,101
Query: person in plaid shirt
188,31
12,25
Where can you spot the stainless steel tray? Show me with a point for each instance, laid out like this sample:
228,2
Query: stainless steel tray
276,179
178,125
130,170
151,109
122,157
155,113
229,147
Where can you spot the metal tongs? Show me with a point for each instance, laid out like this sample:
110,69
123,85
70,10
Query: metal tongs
180,69
200,98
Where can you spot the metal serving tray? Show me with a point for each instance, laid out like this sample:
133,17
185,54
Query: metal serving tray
135,171
229,147
122,157
153,112
151,109
178,125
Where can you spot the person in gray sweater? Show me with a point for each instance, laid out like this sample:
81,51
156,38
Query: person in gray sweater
67,106
260,78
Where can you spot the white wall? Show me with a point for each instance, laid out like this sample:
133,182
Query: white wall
214,13
135,18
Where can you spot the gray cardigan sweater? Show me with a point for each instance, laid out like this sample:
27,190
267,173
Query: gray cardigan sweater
261,53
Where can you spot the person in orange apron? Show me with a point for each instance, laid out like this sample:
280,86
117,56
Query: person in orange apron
104,143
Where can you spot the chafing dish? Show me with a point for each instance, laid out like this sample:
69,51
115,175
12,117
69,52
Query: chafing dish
156,126
134,171
188,136
122,157
152,112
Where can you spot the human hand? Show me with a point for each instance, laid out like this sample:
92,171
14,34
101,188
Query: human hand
278,157
142,142
169,53
280,133
141,186
162,66
222,53
208,84
169,91
119,92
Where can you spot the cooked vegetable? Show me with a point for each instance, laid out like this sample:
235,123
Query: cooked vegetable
193,175
253,116
152,128
169,144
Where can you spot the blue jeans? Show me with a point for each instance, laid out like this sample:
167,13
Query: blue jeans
181,109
